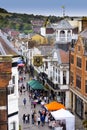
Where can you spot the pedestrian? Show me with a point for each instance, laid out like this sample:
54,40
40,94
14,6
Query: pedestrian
28,118
43,119
20,91
24,101
33,118
34,104
23,118
38,119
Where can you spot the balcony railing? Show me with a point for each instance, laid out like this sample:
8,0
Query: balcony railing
51,84
43,78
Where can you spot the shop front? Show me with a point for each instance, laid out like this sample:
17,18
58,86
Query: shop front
79,107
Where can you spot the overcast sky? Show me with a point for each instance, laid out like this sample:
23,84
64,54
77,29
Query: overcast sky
46,7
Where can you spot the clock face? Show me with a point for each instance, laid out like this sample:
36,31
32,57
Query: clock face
38,60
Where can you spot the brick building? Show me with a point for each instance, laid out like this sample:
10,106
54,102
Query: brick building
78,76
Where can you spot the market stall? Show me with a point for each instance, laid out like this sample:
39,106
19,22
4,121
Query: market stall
66,117
53,106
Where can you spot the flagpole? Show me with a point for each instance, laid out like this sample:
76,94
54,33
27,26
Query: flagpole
63,7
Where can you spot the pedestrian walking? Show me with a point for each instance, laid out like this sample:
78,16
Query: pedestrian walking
23,118
42,119
33,118
24,101
20,91
38,120
34,104
28,118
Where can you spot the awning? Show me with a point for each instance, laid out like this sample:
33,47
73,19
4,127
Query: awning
53,106
35,84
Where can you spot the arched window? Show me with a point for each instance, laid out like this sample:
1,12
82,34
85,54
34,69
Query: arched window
68,33
62,35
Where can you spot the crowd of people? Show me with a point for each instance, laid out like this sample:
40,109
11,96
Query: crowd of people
35,97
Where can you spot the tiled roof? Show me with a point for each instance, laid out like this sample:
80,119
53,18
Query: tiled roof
46,50
64,24
6,49
64,56
84,33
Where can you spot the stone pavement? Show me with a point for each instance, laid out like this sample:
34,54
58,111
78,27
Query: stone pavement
28,109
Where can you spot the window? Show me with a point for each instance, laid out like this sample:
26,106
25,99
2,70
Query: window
3,101
13,126
78,81
78,48
86,65
56,70
79,62
71,78
86,86
64,77
72,59
10,89
58,76
11,86
46,65
13,79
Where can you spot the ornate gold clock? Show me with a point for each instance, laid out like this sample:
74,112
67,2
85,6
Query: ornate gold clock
37,61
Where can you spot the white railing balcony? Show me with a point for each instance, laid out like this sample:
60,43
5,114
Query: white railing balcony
64,39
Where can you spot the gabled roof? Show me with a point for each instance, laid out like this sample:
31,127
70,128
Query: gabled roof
63,56
84,33
64,24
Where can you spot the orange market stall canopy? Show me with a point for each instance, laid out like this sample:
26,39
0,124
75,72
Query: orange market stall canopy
53,106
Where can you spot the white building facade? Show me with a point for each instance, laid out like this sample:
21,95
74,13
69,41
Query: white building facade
13,117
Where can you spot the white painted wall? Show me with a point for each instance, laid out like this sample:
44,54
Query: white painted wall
43,31
11,120
13,102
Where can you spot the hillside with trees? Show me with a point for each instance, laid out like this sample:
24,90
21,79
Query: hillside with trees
21,22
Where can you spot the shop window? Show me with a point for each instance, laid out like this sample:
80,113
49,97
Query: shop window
79,62
78,82
79,107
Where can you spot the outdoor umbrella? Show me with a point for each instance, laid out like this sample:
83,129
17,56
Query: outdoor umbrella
21,65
